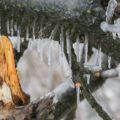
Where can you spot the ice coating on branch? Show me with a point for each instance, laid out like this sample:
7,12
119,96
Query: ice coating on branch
112,4
113,28
78,49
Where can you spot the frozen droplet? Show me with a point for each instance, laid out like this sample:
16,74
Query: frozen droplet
68,46
112,4
109,62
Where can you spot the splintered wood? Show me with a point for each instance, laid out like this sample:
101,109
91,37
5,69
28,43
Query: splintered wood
8,72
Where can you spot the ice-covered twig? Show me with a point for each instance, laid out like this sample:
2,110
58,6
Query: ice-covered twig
112,4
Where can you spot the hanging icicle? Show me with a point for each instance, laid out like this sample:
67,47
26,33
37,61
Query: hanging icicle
8,27
15,26
11,27
112,4
87,76
68,46
99,58
86,49
53,33
18,40
78,49
33,31
27,33
62,40
109,62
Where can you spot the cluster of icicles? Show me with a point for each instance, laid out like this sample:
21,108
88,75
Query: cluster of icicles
106,26
93,62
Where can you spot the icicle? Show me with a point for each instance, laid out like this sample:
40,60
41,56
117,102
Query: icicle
68,46
53,32
100,58
62,41
33,31
18,40
109,62
15,26
87,78
8,27
78,93
86,50
11,28
78,49
27,33
112,4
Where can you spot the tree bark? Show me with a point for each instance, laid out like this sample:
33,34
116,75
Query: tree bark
8,72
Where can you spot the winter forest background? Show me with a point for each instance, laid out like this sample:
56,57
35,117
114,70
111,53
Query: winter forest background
67,55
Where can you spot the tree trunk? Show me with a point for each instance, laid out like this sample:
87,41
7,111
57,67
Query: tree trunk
8,72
